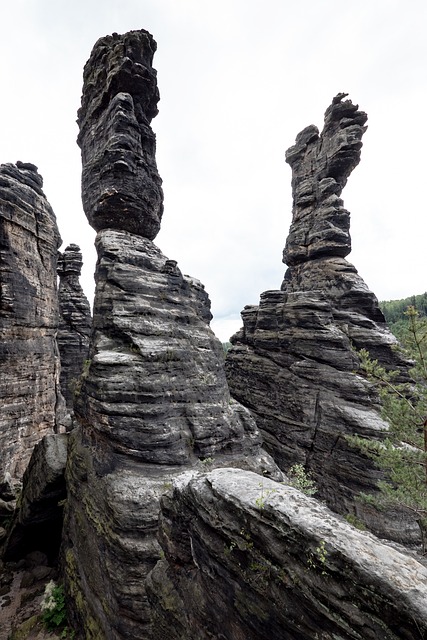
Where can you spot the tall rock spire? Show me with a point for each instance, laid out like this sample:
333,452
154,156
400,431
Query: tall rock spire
294,361
75,322
154,401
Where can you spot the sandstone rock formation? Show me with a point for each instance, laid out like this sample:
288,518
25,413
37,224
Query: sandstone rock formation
154,399
32,404
75,322
280,565
293,363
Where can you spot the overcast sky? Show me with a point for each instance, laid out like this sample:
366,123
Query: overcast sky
238,80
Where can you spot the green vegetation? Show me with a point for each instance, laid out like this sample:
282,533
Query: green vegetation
317,560
403,453
300,479
226,346
355,522
265,494
394,310
54,615
77,383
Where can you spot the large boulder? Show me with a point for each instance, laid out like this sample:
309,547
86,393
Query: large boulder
37,524
252,559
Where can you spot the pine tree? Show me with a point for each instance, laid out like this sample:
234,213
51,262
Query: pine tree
403,452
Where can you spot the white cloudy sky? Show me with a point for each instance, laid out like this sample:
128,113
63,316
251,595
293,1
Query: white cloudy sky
238,80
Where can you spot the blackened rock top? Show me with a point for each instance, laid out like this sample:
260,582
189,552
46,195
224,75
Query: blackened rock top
70,262
321,165
121,188
75,322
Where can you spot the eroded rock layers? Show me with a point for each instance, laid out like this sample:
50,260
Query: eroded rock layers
280,565
154,399
293,363
75,322
29,380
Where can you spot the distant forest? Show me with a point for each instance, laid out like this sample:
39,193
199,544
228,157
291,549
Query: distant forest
394,310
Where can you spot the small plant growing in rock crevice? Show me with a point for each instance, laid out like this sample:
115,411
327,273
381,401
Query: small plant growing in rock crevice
54,614
317,560
355,522
300,479
265,494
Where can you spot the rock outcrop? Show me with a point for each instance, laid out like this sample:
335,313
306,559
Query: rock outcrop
32,404
280,565
154,399
37,524
75,322
294,362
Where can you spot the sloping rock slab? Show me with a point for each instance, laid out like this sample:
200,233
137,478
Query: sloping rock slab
248,558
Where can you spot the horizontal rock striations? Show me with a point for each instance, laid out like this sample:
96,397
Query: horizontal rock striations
294,362
75,322
153,400
29,382
118,146
244,559
156,387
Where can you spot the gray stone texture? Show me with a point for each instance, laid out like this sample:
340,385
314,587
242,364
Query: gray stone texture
75,322
31,403
293,363
245,559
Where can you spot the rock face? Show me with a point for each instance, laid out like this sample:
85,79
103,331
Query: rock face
75,322
280,565
293,363
154,399
29,381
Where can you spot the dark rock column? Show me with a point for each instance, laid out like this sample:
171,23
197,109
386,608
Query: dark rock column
293,363
154,400
75,322
31,401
